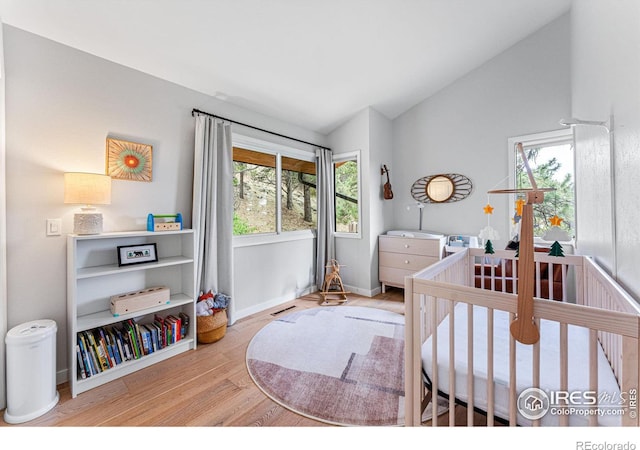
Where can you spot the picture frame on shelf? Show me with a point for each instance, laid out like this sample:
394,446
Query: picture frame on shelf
137,254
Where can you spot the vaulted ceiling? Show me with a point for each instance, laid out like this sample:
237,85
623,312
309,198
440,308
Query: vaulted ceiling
312,63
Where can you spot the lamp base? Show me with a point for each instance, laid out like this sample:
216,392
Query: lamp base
87,223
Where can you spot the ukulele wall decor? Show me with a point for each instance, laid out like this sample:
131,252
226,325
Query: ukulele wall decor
388,193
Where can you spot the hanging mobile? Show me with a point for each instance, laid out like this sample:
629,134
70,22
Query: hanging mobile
524,328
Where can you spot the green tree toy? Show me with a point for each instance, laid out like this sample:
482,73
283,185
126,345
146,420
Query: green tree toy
556,249
488,248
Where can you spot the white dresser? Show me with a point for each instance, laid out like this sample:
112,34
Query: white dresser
400,256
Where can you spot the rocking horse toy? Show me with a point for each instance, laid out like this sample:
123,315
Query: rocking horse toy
332,284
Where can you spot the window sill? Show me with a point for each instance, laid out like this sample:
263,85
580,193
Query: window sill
272,238
348,235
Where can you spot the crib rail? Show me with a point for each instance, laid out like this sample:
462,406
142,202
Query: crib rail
595,303
601,291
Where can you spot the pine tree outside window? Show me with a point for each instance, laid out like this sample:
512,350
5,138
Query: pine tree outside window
551,158
274,189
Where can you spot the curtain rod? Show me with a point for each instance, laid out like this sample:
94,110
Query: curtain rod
197,111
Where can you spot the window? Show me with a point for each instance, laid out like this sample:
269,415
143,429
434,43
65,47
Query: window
273,193
347,193
551,159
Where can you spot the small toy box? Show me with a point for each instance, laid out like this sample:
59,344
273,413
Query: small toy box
139,300
163,222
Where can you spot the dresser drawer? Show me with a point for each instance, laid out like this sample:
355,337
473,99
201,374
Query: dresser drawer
426,247
393,276
405,261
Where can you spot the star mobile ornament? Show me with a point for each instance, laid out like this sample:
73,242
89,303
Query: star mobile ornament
555,233
524,328
488,233
555,221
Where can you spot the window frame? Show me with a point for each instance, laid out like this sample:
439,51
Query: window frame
279,151
350,156
547,138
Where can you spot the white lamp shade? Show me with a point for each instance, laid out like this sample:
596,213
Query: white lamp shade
87,188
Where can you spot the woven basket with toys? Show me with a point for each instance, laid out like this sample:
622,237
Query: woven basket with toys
211,317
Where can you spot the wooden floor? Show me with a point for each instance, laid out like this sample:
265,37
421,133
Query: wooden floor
206,387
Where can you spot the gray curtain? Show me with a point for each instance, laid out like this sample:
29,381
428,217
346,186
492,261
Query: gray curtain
325,243
213,207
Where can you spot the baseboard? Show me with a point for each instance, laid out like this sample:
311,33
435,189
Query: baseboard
62,376
363,292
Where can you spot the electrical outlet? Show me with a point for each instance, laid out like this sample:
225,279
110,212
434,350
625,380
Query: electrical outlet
54,227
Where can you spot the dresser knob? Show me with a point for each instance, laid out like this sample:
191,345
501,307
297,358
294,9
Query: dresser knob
406,262
406,245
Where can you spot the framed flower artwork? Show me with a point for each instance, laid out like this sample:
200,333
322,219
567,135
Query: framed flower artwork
129,160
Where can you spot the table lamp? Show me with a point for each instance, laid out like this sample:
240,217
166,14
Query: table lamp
87,189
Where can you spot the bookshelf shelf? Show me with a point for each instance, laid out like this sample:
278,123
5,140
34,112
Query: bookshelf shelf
93,276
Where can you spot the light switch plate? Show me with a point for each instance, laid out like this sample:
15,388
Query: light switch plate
54,227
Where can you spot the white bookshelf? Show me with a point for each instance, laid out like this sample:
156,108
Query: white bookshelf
93,276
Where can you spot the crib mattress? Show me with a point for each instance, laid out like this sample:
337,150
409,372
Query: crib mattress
578,365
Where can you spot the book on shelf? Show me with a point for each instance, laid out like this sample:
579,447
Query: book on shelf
175,328
133,339
155,333
92,352
159,321
106,346
93,357
86,357
185,324
81,370
111,336
145,336
98,350
120,343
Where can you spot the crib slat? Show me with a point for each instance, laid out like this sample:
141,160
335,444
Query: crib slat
434,362
490,387
630,378
550,279
514,274
512,377
593,372
470,374
564,283
564,368
452,366
537,275
535,365
493,275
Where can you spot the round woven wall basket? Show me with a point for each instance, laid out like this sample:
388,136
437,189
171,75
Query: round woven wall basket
212,328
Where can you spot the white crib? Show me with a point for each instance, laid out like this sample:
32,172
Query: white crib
589,343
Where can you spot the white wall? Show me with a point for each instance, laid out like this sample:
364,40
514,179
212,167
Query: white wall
3,231
380,210
61,104
351,251
464,129
369,132
269,274
606,81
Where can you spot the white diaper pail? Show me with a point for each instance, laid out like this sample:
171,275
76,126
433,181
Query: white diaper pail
31,370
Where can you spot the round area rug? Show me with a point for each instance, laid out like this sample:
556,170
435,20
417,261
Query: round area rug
343,365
